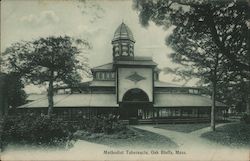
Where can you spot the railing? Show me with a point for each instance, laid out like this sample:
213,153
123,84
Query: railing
174,121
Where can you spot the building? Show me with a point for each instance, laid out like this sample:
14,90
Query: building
129,86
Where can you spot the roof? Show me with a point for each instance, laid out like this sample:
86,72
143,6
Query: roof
109,100
108,66
33,97
183,100
123,32
165,84
76,100
99,83
136,61
96,83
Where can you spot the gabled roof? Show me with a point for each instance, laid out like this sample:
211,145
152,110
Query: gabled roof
139,61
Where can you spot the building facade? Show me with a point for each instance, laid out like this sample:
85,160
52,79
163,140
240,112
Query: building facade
129,86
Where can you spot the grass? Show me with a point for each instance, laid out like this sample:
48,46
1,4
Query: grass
185,128
233,135
132,138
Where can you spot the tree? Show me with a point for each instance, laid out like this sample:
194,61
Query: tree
225,21
49,61
209,36
16,94
203,61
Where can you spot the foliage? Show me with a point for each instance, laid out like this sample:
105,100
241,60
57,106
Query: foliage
131,137
246,118
222,23
50,61
102,124
16,94
233,135
36,129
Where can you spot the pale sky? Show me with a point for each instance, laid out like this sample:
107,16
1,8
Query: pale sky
95,21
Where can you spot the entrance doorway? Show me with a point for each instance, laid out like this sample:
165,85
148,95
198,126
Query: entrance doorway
134,100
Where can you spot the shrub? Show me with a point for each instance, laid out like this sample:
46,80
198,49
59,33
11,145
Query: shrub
36,129
246,118
102,124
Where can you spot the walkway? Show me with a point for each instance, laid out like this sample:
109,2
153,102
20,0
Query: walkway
183,140
192,143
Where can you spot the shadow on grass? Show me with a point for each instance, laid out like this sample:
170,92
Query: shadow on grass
234,135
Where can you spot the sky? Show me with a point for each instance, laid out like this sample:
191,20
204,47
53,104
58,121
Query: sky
95,21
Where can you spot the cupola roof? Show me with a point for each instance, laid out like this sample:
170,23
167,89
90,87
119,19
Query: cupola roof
123,33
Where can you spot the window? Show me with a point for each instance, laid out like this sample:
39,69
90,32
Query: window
97,75
191,91
67,91
108,75
196,91
102,75
113,75
105,75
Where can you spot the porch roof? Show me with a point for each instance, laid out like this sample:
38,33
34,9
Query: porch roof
183,100
109,100
76,100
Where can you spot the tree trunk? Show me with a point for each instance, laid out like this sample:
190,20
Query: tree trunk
248,99
213,106
50,95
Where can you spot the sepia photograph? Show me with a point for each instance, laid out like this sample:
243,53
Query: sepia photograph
144,80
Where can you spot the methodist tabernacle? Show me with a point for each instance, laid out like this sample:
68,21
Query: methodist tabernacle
129,86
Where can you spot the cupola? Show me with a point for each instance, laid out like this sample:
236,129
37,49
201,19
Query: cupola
123,43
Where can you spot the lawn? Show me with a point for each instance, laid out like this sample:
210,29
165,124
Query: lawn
185,128
131,138
233,135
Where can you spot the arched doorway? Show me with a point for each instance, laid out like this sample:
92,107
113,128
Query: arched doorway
134,100
135,95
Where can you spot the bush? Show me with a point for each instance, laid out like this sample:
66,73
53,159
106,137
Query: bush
102,124
246,118
36,129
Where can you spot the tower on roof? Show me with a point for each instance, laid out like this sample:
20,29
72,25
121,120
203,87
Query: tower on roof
123,43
